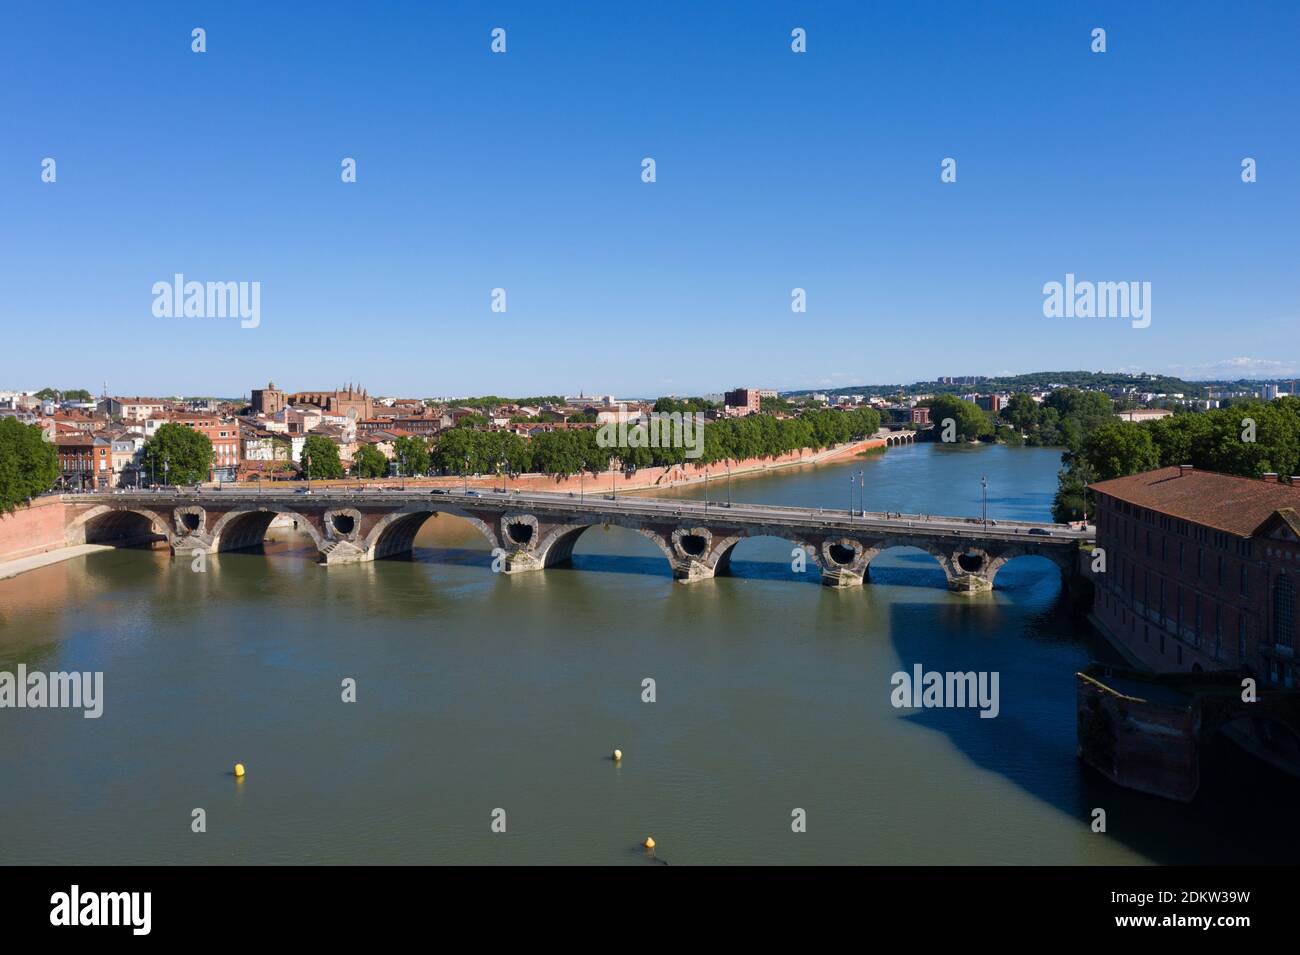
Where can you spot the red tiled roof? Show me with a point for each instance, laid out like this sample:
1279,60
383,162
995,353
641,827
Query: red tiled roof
1224,502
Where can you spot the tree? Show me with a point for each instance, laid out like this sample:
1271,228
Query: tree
970,420
558,453
411,453
29,465
178,455
1021,412
369,462
320,458
70,394
1120,448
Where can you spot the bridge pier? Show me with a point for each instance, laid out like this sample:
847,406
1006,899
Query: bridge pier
337,552
687,570
970,583
844,561
843,577
192,544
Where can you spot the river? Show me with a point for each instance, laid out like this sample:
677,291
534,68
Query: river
478,691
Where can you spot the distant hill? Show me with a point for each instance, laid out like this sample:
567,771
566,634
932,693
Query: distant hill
1038,379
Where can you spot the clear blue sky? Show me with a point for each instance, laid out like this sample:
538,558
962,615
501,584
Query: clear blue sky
522,171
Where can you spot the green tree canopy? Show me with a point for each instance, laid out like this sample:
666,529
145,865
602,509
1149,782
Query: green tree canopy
970,420
369,462
29,465
320,458
411,454
178,454
1119,448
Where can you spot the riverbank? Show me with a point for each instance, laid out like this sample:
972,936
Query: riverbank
20,565
643,479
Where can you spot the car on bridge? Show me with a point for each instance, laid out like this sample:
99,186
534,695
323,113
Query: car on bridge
439,490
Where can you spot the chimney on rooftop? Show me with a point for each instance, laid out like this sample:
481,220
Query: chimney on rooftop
1184,469
1270,476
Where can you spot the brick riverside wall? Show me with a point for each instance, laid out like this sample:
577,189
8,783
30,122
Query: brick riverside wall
32,530
644,479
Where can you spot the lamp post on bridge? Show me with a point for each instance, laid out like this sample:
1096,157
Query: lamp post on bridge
984,487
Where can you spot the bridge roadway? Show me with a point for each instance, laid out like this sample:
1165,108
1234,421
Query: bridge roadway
533,530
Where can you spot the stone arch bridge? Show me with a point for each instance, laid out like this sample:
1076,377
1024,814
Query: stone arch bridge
537,530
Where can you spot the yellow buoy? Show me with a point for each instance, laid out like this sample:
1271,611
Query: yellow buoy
618,754
649,842
239,769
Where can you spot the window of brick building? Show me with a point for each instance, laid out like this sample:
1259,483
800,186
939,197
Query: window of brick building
1284,611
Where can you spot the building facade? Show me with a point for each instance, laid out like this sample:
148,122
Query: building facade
743,401
350,402
268,400
1201,572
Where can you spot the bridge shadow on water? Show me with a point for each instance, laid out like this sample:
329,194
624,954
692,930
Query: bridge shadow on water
1026,635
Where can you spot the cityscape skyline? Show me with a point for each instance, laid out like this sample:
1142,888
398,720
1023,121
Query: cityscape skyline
972,378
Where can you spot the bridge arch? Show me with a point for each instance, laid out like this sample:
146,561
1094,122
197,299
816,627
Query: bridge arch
394,533
943,555
118,525
1005,555
556,546
724,549
241,529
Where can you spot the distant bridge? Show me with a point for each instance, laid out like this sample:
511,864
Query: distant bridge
539,529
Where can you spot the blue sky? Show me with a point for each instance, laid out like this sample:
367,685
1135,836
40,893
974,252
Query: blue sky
523,171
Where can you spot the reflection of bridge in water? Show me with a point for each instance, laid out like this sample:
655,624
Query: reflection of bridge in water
538,530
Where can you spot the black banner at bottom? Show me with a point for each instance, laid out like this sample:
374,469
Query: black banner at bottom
372,903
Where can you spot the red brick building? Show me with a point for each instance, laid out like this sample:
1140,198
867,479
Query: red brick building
86,461
1202,571
224,436
743,401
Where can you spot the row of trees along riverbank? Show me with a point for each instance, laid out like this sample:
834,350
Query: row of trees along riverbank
1247,438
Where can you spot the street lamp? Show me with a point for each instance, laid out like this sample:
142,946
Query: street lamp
862,491
467,474
706,492
984,487
728,485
